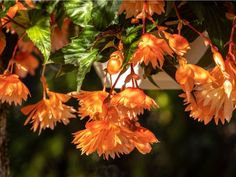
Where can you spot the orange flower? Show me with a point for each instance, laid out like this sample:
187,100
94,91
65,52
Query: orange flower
12,89
132,101
115,62
189,75
112,139
177,43
142,138
25,63
91,103
59,37
151,49
47,112
105,137
134,7
213,100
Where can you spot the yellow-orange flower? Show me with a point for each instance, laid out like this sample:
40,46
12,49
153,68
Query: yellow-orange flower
189,75
177,43
132,102
105,137
212,100
134,7
47,112
12,90
112,139
142,138
151,50
91,103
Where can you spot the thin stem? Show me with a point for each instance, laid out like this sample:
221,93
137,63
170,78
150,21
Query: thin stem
231,43
11,62
43,80
177,12
113,86
5,24
12,20
179,19
144,16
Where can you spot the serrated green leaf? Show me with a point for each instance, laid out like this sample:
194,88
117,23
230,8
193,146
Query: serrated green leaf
79,53
104,13
79,11
86,62
40,35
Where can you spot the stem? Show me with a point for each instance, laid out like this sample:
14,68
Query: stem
144,16
179,18
11,62
43,80
113,86
231,43
12,20
4,161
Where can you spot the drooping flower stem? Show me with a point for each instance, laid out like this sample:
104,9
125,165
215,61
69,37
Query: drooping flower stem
117,79
144,16
11,62
231,42
44,82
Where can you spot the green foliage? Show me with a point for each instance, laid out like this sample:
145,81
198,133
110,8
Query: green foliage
40,34
79,53
79,11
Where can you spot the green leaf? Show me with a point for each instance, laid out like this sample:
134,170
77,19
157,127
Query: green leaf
86,61
79,53
79,11
40,35
104,13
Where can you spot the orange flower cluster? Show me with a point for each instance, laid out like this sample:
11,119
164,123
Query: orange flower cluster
47,112
209,95
113,128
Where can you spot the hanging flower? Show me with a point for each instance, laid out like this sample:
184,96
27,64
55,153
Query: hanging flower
115,62
177,43
91,103
47,112
142,138
213,100
112,139
151,50
132,102
189,75
105,137
134,7
12,90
